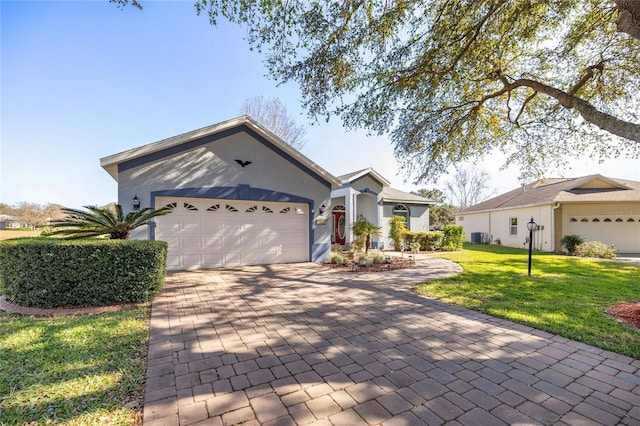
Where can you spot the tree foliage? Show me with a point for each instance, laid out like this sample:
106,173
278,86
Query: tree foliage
454,80
468,186
33,214
101,221
442,212
273,115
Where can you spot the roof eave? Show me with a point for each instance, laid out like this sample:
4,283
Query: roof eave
524,206
111,162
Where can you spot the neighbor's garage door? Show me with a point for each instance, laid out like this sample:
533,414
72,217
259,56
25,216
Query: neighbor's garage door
623,233
208,233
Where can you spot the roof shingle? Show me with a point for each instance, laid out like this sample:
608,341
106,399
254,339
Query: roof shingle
592,188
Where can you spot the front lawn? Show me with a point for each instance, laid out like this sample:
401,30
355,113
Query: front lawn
565,295
76,370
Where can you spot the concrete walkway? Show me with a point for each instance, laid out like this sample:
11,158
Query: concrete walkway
303,344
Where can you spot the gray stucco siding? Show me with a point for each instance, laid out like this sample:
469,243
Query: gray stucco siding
366,182
210,166
418,219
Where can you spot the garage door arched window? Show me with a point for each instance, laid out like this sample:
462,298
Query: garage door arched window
402,210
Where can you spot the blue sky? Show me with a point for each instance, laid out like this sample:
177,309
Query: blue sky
84,80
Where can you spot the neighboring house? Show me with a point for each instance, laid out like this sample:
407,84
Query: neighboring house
596,207
10,222
242,196
367,194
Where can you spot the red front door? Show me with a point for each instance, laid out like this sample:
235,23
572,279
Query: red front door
339,227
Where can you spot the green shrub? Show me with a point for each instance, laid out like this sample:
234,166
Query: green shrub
571,242
409,238
48,273
397,229
453,237
428,241
595,249
336,258
431,241
377,257
338,248
364,260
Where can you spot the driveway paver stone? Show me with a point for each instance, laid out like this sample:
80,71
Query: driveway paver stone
305,344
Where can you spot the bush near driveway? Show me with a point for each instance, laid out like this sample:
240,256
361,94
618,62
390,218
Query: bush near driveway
48,273
566,295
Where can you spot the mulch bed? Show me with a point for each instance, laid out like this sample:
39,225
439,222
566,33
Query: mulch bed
12,308
629,313
396,263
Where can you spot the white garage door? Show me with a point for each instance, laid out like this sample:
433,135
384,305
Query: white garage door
208,233
623,233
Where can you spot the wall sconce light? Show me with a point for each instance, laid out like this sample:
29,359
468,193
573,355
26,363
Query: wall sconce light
321,209
136,202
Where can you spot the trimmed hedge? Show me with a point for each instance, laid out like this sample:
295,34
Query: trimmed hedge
429,241
453,238
48,273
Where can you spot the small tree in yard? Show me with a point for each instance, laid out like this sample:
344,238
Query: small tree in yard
364,230
101,221
397,228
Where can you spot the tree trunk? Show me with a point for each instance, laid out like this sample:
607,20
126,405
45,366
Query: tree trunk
628,17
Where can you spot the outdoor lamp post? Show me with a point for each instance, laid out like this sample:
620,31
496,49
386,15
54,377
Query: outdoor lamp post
531,226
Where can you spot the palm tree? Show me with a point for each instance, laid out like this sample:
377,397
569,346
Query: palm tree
363,229
100,221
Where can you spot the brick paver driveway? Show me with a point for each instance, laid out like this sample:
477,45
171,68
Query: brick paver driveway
300,344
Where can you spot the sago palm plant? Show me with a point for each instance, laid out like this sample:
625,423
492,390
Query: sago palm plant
101,221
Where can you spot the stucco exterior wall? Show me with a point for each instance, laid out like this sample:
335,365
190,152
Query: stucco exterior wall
615,224
213,165
366,182
496,224
418,220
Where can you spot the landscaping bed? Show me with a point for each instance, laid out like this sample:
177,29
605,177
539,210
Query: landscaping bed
391,264
628,313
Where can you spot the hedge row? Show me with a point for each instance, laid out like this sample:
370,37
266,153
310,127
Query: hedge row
450,239
48,273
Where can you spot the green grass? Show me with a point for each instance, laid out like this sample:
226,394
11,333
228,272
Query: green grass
76,370
565,295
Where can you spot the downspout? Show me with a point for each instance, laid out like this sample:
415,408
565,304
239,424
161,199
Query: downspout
553,227
490,237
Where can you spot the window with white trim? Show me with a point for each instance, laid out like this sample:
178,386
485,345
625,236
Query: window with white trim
513,226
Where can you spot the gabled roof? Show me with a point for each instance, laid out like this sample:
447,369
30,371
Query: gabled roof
353,176
586,189
388,194
395,195
111,163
